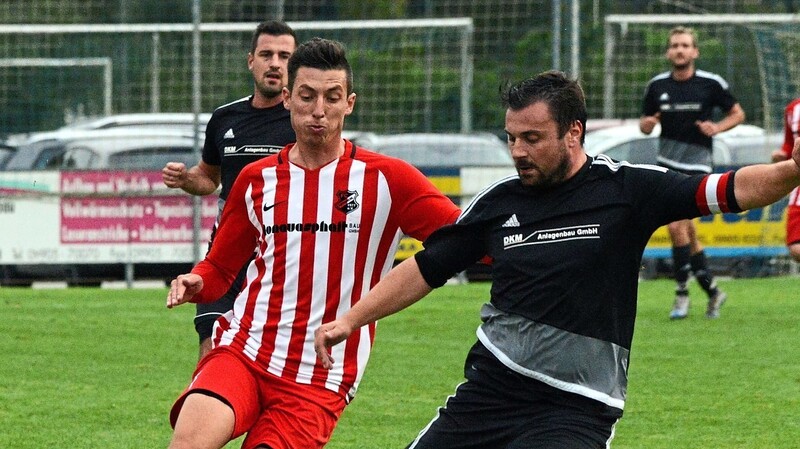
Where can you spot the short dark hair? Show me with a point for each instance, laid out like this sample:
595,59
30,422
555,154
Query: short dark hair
563,96
273,28
323,54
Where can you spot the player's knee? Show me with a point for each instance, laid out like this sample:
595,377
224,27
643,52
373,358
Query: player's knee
180,441
184,438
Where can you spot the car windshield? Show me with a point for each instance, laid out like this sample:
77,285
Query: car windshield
5,154
151,158
35,156
753,150
447,153
599,141
629,144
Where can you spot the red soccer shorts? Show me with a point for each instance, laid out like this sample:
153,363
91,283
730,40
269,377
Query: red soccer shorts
793,218
273,411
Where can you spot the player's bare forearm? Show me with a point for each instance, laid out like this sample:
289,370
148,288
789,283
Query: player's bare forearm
202,179
199,181
733,118
402,287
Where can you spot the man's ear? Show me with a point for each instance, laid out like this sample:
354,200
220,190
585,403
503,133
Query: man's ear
286,97
574,133
351,103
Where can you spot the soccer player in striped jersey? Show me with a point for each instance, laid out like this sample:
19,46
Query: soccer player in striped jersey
566,237
791,132
324,217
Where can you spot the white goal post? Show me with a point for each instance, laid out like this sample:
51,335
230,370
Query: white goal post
103,63
437,55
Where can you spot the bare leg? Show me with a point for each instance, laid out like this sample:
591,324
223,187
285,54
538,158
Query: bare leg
204,422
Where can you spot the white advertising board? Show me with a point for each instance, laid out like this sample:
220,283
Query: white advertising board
93,217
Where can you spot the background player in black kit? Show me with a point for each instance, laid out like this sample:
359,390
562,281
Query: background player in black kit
237,134
683,100
566,237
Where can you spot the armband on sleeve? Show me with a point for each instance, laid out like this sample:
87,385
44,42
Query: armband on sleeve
715,194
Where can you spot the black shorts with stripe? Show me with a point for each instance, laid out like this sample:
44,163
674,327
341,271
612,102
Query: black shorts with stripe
497,408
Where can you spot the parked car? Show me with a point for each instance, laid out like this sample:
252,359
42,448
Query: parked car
460,165
435,150
107,150
742,145
602,123
151,119
183,121
126,148
6,151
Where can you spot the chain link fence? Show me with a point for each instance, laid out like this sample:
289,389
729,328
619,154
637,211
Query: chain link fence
420,65
512,39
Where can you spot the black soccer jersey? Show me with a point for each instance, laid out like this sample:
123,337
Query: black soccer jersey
566,263
238,134
682,104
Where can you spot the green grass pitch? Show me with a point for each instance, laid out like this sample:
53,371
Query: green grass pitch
90,368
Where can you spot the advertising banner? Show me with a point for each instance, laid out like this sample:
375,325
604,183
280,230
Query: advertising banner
97,217
85,217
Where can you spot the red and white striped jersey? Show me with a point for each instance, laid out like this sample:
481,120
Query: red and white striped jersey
791,126
791,131
323,238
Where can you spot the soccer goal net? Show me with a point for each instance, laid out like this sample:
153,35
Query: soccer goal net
759,55
410,75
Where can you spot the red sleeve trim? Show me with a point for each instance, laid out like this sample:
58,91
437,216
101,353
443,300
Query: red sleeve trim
715,194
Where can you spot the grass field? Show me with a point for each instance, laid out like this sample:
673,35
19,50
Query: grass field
91,368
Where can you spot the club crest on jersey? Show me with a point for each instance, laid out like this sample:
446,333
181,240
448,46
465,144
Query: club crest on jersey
346,201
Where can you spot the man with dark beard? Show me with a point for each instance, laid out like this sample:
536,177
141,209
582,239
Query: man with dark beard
566,237
237,134
683,101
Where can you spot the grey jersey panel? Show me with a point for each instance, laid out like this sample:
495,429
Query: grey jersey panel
557,357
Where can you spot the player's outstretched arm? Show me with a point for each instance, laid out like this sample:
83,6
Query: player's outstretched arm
183,288
760,185
403,286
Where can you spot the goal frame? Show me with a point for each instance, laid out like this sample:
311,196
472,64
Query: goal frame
464,24
623,20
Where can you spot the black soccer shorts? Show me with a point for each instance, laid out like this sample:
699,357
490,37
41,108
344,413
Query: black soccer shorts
496,408
207,313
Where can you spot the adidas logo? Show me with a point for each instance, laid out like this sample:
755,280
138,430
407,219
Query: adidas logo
229,134
511,222
664,97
